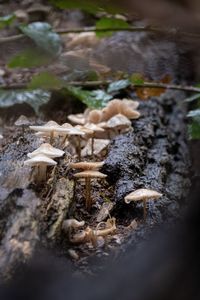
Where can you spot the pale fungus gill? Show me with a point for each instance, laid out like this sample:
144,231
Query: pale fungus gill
50,128
48,150
88,176
41,162
142,195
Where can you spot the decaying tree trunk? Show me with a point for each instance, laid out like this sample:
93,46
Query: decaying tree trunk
154,155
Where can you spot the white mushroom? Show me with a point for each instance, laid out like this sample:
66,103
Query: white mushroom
41,162
142,195
47,150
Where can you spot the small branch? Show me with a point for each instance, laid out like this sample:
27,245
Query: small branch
93,84
172,31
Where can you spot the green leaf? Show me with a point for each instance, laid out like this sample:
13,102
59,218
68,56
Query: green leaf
30,58
194,129
195,114
110,23
118,85
46,81
34,98
192,98
6,20
41,33
137,79
86,5
93,99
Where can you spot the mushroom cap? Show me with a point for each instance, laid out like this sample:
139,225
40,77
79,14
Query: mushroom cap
84,129
22,120
99,146
90,174
142,194
1,136
49,126
85,165
40,159
47,150
94,116
132,104
112,109
77,119
119,121
72,131
94,127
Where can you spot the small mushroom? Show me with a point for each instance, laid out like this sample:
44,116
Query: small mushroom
70,224
142,195
41,162
100,146
74,132
119,123
85,165
88,176
123,107
94,116
79,119
96,129
47,150
22,121
49,128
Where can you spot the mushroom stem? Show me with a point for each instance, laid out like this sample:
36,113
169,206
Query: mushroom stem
144,209
88,193
42,173
92,146
79,148
51,137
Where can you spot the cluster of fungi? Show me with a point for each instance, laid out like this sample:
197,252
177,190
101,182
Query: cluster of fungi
89,136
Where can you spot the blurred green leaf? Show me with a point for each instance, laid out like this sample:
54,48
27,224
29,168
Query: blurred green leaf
30,58
6,20
195,114
192,98
118,85
41,33
137,79
34,98
45,80
86,5
111,23
93,99
194,129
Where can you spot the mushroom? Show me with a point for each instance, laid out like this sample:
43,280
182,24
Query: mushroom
94,116
1,136
96,129
22,121
47,150
74,132
70,224
88,176
123,107
119,122
142,195
79,119
85,165
49,128
100,145
41,162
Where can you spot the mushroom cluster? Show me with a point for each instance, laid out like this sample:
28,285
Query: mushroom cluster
41,158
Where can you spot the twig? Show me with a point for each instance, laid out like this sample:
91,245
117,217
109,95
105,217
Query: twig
172,31
93,84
